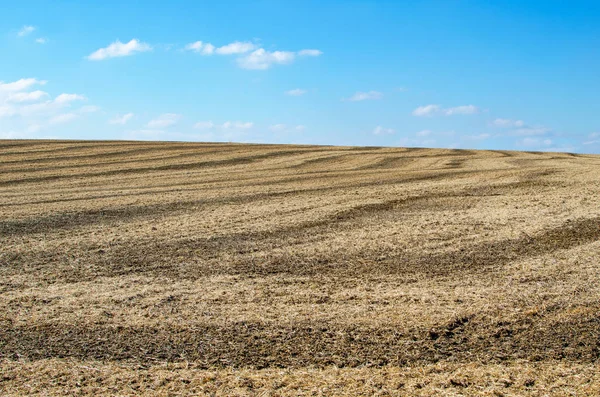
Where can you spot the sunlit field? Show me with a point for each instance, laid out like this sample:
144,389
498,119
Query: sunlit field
228,269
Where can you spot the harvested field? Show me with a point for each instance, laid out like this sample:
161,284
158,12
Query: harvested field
228,269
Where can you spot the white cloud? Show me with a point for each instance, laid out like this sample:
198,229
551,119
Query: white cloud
466,109
300,128
25,30
195,46
594,135
200,47
251,57
41,40
204,125
118,49
427,110
432,110
507,123
296,92
46,108
379,130
237,125
27,96
164,120
310,53
122,120
32,111
237,47
364,96
424,133
20,85
67,98
262,59
62,118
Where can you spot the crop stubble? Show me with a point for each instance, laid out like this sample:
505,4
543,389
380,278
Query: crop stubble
164,268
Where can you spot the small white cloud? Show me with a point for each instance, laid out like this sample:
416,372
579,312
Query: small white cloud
62,118
507,123
594,135
118,49
424,133
296,92
432,110
20,85
237,47
379,130
310,53
204,125
25,30
200,47
250,56
195,46
300,128
164,120
467,109
262,59
41,40
237,125
427,110
66,98
364,96
27,96
122,120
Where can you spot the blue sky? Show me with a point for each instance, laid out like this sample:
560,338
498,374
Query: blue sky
521,75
